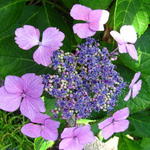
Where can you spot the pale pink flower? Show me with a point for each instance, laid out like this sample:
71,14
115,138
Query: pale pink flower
76,138
23,92
135,87
126,40
42,126
94,20
29,36
117,123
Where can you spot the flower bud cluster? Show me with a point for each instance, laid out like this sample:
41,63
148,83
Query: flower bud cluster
87,81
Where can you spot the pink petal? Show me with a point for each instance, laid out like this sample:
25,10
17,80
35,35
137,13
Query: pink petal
27,37
50,131
38,104
31,130
108,131
9,102
128,33
48,134
84,134
117,37
49,123
30,107
121,114
43,56
136,88
68,132
105,123
94,19
40,118
33,86
122,48
80,12
97,19
82,30
70,144
128,96
103,20
132,51
52,38
120,126
14,84
135,78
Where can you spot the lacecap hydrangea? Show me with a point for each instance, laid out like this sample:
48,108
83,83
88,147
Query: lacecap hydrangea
86,81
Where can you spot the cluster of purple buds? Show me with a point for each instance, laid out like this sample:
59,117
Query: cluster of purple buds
86,81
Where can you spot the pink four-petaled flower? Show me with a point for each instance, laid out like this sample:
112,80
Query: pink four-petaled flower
95,20
116,123
135,87
29,36
76,138
126,39
42,126
23,92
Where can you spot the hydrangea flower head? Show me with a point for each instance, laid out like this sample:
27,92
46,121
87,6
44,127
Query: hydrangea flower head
135,87
86,81
43,126
76,138
23,92
117,123
29,36
126,40
95,20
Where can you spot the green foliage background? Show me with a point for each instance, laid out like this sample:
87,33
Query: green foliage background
45,13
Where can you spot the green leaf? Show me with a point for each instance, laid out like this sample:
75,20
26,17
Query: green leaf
141,124
69,3
145,144
141,101
147,80
41,144
130,12
10,11
85,121
49,104
96,4
127,144
94,128
142,65
147,7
